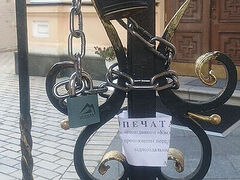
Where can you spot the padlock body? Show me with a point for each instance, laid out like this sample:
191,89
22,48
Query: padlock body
83,110
116,9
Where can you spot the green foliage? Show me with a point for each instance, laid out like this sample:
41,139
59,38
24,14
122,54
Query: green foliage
106,53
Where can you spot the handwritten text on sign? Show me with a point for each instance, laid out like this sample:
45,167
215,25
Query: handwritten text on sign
145,140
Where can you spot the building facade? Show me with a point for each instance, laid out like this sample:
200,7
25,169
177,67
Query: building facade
208,25
8,26
48,24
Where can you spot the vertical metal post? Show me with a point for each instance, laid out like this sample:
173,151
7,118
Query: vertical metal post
24,91
142,104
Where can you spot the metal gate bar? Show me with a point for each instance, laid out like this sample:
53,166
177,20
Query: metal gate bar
142,104
24,90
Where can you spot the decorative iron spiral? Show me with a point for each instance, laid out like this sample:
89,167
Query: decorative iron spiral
177,106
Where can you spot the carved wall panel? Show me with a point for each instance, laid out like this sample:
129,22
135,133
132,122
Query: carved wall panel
192,36
188,45
226,28
208,25
194,12
230,44
229,10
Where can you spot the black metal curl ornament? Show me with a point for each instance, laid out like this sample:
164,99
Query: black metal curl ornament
179,108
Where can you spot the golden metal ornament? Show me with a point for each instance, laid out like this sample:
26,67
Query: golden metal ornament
65,125
174,22
214,119
210,79
173,154
112,155
178,157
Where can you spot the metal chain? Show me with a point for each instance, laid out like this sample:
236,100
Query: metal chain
80,81
130,83
78,34
134,29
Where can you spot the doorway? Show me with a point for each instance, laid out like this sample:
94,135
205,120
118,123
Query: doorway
208,25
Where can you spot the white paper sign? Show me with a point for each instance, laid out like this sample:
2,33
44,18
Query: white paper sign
145,141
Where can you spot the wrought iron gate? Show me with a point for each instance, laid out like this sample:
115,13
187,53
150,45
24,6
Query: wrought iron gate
142,72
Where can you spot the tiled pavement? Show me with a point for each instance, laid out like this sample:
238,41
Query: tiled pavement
52,146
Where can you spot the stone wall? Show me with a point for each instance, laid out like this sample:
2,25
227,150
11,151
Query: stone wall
8,26
48,27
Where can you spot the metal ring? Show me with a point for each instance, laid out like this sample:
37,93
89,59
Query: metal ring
97,90
78,5
76,90
71,83
122,74
165,42
166,74
131,85
78,68
75,33
89,83
134,33
134,87
136,26
88,80
102,94
109,78
70,46
176,83
148,44
58,85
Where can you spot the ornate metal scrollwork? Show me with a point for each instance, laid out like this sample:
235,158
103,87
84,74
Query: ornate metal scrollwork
213,119
178,107
210,79
177,156
173,154
52,75
206,150
174,22
172,101
113,155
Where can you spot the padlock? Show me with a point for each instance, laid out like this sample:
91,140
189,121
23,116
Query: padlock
117,9
83,110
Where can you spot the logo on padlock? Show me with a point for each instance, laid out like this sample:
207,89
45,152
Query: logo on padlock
88,111
83,110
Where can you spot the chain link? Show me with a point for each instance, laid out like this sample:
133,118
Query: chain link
131,84
149,40
80,81
73,88
77,34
